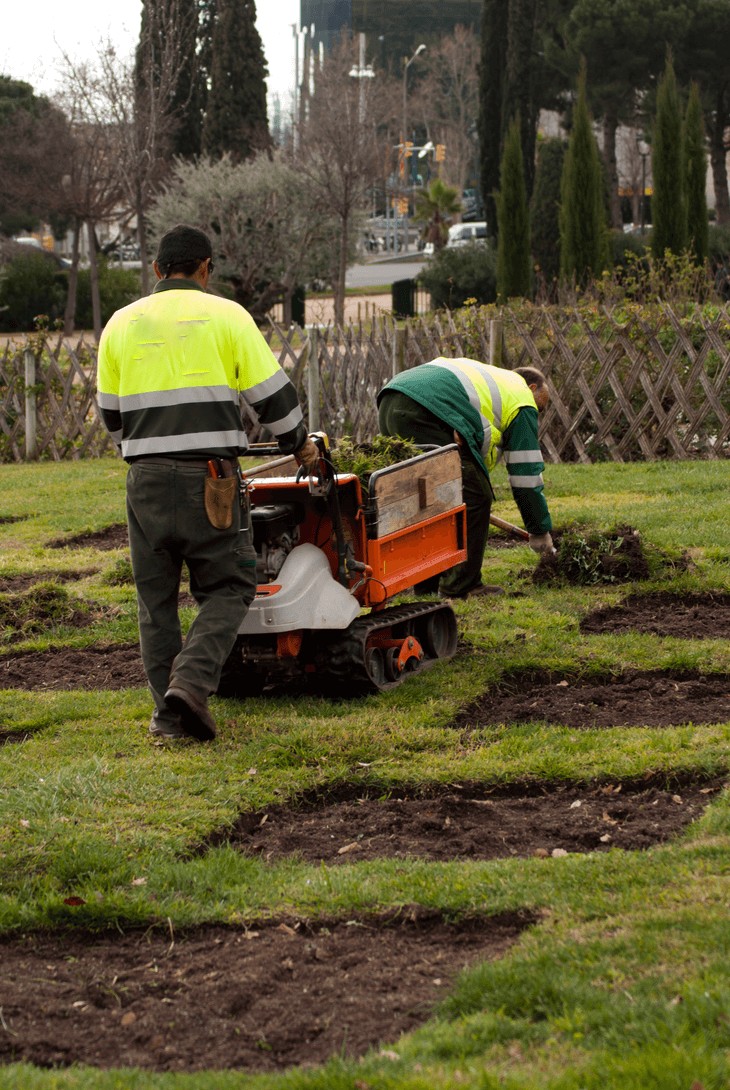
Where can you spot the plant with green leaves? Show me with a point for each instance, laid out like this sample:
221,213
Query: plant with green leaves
435,208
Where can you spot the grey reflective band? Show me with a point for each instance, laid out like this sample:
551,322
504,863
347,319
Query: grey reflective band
515,457
269,386
525,482
285,423
188,395
190,442
107,401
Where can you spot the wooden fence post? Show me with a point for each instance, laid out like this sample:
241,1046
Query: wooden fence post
495,342
31,419
399,349
313,381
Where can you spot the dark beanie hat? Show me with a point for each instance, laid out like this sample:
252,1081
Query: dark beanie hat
183,244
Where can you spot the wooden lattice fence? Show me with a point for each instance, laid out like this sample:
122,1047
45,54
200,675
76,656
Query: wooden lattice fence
626,383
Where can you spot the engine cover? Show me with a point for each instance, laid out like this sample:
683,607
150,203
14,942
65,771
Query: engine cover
305,595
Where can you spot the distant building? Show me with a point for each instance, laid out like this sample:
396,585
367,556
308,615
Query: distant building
393,28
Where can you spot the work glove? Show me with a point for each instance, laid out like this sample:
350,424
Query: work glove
541,543
308,456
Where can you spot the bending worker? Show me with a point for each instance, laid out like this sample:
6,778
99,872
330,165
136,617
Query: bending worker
486,410
172,368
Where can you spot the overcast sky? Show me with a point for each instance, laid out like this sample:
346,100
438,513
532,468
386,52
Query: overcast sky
35,33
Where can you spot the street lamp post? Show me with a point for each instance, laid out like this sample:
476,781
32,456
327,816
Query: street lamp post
362,72
644,150
404,137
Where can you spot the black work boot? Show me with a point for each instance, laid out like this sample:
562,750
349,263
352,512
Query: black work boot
195,719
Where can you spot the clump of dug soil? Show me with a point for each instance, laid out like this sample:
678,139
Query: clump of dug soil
590,557
45,606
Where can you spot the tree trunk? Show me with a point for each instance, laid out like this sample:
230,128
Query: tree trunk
142,240
718,161
69,314
94,279
339,285
610,125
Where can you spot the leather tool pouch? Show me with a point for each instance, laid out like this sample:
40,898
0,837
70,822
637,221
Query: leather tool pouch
220,497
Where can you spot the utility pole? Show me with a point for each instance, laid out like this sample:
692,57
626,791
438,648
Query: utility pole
404,137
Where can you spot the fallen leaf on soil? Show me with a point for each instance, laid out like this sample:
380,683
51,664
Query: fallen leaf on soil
74,901
129,1018
558,853
139,881
355,846
576,804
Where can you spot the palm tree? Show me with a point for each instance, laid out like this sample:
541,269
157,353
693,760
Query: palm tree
434,207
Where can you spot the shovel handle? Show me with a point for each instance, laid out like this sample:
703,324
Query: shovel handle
510,527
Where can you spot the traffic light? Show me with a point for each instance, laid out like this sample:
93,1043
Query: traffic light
408,149
440,154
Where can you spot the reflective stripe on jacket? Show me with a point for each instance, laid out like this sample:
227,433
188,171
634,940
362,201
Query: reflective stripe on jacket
172,367
497,395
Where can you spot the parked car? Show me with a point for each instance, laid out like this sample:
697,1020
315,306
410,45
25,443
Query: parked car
461,234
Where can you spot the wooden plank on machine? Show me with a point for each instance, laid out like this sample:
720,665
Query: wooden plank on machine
418,490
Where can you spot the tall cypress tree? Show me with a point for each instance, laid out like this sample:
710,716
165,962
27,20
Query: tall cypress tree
513,249
520,98
492,69
167,62
583,230
545,212
235,119
696,176
669,202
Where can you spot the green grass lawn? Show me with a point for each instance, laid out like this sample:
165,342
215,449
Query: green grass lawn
625,981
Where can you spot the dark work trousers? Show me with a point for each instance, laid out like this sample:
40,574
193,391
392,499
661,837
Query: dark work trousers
168,526
399,415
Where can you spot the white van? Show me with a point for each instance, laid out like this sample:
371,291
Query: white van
461,234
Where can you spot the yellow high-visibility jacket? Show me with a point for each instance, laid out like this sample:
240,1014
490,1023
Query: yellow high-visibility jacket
172,368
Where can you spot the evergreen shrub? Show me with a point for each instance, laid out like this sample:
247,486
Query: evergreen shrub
30,284
458,273
117,288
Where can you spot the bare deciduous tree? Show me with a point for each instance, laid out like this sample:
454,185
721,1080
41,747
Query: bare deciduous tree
341,148
92,187
447,101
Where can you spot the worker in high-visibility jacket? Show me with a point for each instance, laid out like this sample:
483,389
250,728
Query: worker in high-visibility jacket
172,368
488,411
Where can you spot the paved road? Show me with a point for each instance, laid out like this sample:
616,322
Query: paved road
383,273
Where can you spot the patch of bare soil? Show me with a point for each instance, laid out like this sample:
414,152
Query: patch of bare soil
635,698
98,667
686,616
15,584
111,537
6,520
275,995
473,821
